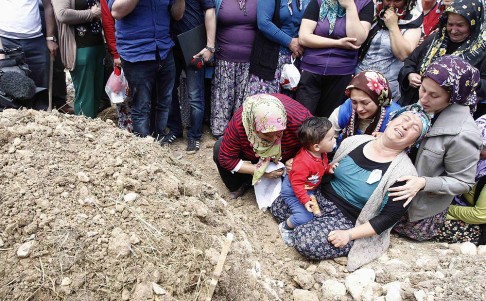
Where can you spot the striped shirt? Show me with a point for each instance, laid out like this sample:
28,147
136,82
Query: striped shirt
235,145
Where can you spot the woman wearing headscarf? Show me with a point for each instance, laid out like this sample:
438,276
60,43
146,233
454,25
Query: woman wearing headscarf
459,34
447,157
357,214
285,33
466,217
263,130
331,32
395,33
368,107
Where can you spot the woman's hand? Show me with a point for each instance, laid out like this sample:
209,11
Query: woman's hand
274,174
96,11
205,53
117,62
408,191
333,168
288,164
347,43
296,48
415,80
390,18
339,238
346,4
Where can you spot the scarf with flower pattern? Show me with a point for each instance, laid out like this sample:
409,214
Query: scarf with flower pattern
331,10
264,113
473,49
418,110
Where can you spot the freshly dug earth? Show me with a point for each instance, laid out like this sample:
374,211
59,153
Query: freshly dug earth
90,212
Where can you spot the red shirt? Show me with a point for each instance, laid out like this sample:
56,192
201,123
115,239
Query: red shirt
235,145
431,19
306,174
109,28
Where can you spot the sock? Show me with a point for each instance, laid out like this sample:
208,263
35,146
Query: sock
286,226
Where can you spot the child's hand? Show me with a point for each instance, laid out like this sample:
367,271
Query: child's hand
308,206
333,168
312,206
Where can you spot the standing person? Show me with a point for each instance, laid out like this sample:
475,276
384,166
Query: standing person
286,34
432,11
331,33
310,164
144,44
447,157
237,27
393,36
21,25
82,51
368,108
196,13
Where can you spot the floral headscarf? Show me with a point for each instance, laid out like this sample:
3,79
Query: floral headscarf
458,77
481,123
473,49
419,111
409,17
331,10
264,113
377,87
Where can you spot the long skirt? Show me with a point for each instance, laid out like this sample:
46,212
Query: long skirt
424,229
228,93
454,231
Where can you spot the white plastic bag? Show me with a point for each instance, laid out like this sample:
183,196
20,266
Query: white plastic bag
116,86
290,77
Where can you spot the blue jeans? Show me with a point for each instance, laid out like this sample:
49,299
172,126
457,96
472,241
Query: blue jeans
195,95
299,215
151,84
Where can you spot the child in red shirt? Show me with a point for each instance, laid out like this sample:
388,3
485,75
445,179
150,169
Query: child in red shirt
316,135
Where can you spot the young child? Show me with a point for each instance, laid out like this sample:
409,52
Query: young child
316,135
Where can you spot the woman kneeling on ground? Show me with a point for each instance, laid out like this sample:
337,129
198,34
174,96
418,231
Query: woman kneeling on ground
446,159
262,130
357,214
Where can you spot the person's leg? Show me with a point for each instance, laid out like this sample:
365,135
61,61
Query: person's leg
99,77
85,72
424,229
165,84
174,122
141,80
59,91
232,181
300,215
195,93
309,91
332,93
457,231
223,96
311,238
242,76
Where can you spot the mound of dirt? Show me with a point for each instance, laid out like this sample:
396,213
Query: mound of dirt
90,212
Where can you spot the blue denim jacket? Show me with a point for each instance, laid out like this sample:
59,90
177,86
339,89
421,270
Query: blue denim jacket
144,31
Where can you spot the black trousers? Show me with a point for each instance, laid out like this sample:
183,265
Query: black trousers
321,94
233,181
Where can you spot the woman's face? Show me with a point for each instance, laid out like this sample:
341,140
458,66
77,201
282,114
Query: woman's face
362,104
270,137
433,97
404,130
458,28
395,3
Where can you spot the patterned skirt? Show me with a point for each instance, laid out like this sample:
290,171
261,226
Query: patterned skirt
421,230
228,93
261,86
454,231
311,238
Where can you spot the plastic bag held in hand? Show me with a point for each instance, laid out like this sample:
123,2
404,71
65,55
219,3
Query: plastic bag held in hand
290,77
116,86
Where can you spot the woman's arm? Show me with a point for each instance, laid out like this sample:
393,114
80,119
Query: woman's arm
121,8
109,29
177,9
470,214
401,45
265,11
340,238
354,27
65,14
308,39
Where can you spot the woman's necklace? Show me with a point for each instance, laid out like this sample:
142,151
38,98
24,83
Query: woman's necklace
242,4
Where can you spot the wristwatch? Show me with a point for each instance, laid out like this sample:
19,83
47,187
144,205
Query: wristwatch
54,39
211,49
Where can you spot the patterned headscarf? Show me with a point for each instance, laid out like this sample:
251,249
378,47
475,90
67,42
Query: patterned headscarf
457,77
289,5
419,111
473,49
481,123
408,17
264,113
377,87
331,10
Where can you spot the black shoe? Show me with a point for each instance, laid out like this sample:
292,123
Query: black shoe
192,146
169,139
240,191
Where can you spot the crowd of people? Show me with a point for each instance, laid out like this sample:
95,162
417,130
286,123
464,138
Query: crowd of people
388,91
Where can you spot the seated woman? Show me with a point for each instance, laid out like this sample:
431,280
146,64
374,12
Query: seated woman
393,36
447,157
466,217
368,108
331,33
264,129
460,35
357,215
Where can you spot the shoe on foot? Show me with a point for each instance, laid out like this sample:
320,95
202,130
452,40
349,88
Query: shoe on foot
169,139
240,191
287,235
66,109
192,146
